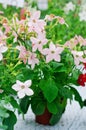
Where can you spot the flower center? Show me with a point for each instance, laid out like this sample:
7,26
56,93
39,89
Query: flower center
34,20
22,87
52,51
39,42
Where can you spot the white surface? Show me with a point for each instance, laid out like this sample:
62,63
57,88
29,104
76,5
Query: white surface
18,3
74,118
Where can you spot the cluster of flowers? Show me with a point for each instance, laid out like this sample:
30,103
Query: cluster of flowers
79,56
35,49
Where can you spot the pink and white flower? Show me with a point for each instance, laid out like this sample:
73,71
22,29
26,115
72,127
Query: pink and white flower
2,38
3,49
52,53
78,57
61,20
37,43
32,60
36,24
7,28
22,88
23,53
1,91
52,17
81,40
72,43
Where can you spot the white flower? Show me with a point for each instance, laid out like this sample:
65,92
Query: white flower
69,7
23,88
1,91
42,4
82,16
3,48
52,53
32,60
83,7
78,57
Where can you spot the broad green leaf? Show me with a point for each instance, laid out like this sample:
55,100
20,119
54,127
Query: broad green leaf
66,92
38,107
62,69
3,127
61,105
55,65
14,103
75,74
77,96
55,118
3,113
49,89
24,104
52,107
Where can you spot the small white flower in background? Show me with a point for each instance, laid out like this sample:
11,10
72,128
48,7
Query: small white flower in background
1,12
1,91
3,49
83,7
4,5
42,4
69,7
82,16
23,88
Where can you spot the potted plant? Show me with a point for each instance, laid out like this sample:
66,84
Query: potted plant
37,69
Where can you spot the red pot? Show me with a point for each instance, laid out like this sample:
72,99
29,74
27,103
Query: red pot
44,118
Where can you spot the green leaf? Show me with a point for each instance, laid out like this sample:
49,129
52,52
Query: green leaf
55,65
61,105
75,74
10,121
49,89
62,69
24,104
52,107
3,127
66,92
55,118
38,107
77,96
3,113
14,103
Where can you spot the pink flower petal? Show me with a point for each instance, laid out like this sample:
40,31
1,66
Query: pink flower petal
3,48
16,87
21,93
36,15
52,46
19,83
57,58
28,91
28,83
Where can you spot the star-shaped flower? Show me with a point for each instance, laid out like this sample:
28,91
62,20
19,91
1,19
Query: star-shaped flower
23,88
